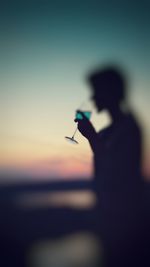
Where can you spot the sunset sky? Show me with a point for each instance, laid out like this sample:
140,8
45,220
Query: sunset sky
47,48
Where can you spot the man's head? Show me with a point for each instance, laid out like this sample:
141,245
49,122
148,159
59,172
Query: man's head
108,88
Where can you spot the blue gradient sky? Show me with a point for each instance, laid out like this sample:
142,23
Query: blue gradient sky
46,51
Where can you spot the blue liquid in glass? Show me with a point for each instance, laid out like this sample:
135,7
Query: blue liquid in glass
86,113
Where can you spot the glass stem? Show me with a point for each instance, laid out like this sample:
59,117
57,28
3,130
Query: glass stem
75,132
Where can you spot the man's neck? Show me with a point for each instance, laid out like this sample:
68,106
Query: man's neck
116,114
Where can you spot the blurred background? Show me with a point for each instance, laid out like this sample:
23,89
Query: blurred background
47,49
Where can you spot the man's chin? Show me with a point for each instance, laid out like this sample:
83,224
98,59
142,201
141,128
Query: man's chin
99,109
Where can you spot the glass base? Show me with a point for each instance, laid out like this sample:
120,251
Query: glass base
71,140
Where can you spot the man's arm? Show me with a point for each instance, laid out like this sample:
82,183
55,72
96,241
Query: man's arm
87,130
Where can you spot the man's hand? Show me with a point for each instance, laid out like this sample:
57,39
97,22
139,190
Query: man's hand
85,126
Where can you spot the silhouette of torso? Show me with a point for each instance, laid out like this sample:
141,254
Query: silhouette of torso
117,165
118,184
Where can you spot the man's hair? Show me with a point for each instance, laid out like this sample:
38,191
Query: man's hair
109,80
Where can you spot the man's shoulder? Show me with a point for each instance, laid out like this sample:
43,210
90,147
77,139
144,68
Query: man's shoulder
131,123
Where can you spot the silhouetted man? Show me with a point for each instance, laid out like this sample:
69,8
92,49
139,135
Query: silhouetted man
117,158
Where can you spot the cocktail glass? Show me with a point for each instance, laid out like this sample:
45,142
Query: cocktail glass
79,117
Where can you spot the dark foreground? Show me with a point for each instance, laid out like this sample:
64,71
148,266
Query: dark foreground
22,228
